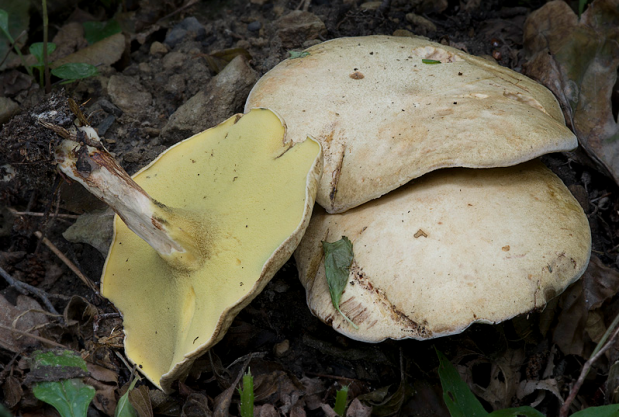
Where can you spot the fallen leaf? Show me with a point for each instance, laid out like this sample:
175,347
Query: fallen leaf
357,409
139,398
577,59
27,318
12,390
600,283
105,52
196,405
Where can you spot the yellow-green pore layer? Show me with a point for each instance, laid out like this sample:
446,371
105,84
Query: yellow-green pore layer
246,197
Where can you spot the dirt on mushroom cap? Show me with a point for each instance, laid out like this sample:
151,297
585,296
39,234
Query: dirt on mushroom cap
454,247
384,117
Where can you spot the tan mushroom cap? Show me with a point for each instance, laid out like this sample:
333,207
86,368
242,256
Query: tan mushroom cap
384,117
245,197
454,247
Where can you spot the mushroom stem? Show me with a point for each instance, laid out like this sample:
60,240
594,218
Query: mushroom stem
90,164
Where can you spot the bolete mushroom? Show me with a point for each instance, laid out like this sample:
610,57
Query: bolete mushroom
454,247
238,198
390,109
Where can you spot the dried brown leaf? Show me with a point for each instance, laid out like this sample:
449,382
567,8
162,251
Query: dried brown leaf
13,391
578,60
196,405
600,283
357,409
28,319
139,398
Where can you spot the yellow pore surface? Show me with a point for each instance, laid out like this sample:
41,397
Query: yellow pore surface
241,193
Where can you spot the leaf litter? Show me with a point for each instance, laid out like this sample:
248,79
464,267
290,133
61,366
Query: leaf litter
532,360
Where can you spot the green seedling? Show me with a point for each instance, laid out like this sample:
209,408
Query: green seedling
431,61
338,260
74,71
36,49
461,402
60,373
297,54
4,27
246,392
341,400
124,407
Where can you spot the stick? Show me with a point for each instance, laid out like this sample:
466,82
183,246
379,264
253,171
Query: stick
584,372
24,288
67,262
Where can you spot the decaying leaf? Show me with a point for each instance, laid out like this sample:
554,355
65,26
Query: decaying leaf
577,59
26,315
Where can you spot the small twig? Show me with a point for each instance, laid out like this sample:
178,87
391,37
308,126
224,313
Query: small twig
586,368
35,214
24,289
39,338
8,367
67,262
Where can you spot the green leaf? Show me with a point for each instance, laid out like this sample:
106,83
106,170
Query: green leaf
461,402
4,412
124,407
517,412
36,49
338,260
70,396
297,54
341,400
246,391
4,22
431,61
96,31
602,411
75,71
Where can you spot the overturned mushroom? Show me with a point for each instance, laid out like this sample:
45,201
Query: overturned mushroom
238,199
389,109
452,248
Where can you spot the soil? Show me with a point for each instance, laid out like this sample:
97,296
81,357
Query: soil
298,361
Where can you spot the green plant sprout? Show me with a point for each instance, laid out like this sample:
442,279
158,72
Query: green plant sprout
338,260
4,27
246,392
341,400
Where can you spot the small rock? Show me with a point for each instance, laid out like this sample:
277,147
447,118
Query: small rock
225,93
370,5
189,26
173,60
128,94
105,124
255,26
420,23
145,67
109,107
158,48
402,33
94,229
309,43
175,85
8,108
299,26
243,44
280,349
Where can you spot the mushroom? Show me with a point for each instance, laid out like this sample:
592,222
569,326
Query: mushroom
238,199
452,248
390,109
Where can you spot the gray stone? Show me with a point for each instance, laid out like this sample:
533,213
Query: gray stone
188,26
109,107
254,26
173,60
420,24
94,229
105,124
299,26
225,93
128,94
8,108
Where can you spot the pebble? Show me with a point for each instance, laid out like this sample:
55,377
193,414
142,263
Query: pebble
173,60
255,26
105,124
421,24
7,109
299,26
280,349
128,94
109,107
189,25
158,48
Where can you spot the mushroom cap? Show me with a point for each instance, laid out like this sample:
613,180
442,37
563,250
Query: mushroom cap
246,196
384,117
454,247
